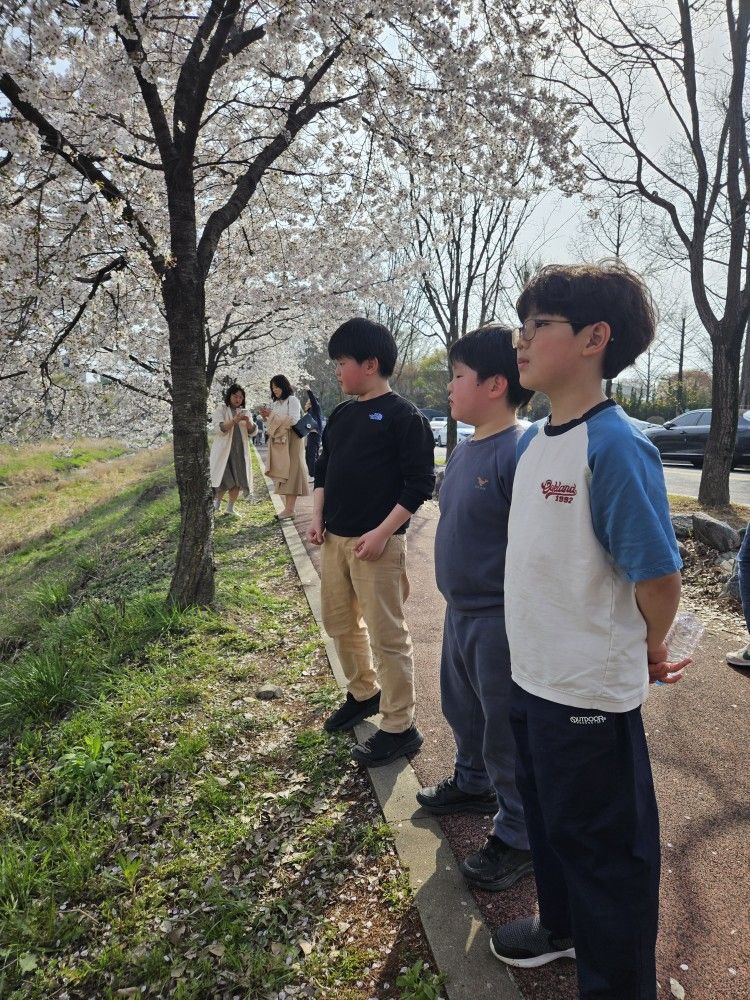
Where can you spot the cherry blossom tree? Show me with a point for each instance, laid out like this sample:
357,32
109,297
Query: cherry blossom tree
141,135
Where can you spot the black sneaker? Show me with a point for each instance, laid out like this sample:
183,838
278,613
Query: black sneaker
496,866
526,944
446,797
351,712
381,748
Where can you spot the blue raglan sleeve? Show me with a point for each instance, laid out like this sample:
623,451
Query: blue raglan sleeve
629,507
526,438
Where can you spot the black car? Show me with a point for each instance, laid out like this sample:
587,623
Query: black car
685,437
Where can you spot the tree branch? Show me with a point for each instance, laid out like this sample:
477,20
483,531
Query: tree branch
57,143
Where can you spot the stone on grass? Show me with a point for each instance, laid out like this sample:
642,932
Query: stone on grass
732,586
714,533
268,692
682,524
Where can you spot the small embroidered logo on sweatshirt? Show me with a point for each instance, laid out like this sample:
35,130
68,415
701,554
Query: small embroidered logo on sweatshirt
481,484
376,416
562,492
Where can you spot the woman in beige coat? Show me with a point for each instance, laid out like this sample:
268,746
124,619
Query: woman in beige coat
286,450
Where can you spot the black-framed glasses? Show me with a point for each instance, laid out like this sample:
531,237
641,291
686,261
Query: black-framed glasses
526,332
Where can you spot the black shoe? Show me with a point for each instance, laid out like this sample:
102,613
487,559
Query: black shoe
496,866
351,712
381,748
526,944
446,797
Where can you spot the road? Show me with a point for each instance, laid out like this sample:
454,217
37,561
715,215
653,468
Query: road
684,479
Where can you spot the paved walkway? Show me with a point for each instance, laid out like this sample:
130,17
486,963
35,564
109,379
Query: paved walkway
698,736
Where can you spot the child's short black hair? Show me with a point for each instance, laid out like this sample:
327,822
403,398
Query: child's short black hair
283,383
489,351
605,292
231,391
360,338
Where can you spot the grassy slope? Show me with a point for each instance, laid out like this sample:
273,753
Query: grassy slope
49,488
163,831
43,462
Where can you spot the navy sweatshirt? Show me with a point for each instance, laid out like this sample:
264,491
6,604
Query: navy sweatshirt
376,454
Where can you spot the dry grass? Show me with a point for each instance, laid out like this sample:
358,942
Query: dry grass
23,465
30,510
736,515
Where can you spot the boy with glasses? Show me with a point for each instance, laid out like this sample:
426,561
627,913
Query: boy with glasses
592,585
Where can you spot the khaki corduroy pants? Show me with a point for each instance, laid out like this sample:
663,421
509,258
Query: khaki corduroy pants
363,612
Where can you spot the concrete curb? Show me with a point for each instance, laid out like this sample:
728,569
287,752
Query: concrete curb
457,935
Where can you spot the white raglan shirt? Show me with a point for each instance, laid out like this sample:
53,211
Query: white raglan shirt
588,520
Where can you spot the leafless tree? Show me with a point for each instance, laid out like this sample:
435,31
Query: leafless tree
466,244
621,64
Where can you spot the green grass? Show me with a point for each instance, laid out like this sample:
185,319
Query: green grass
159,825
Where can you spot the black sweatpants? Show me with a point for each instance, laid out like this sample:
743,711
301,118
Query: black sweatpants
588,796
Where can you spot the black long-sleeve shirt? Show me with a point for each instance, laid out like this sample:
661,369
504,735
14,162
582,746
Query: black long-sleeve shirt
376,454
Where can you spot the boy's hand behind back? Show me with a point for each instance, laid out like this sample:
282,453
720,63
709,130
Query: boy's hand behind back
659,669
370,546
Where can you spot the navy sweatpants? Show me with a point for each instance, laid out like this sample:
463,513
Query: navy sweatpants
475,699
588,795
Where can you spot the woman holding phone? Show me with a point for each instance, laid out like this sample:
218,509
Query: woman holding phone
230,457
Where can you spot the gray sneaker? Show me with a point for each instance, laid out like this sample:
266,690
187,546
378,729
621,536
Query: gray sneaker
526,944
741,658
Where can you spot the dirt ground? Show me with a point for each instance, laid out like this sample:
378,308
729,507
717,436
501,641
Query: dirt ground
697,733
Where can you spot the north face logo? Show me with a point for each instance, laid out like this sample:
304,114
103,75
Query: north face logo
562,492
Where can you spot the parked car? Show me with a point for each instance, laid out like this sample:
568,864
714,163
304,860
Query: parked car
439,428
642,425
685,437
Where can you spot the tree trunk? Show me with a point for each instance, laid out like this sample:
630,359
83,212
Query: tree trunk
193,579
680,370
745,379
183,292
714,488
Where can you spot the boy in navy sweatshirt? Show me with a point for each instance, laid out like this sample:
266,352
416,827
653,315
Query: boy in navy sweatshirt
470,543
375,470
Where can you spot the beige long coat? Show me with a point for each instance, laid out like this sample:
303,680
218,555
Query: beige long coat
222,445
286,451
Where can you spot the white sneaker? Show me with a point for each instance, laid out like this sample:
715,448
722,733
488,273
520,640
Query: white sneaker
741,658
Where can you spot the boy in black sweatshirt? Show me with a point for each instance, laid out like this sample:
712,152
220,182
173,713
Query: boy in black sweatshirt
375,470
